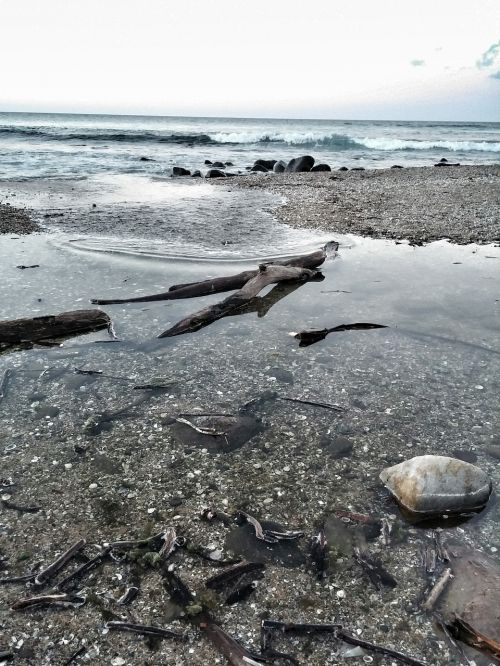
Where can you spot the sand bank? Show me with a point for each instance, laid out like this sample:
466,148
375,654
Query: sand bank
420,204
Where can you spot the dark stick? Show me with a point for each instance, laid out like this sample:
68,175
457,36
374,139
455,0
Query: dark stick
269,626
58,600
56,566
18,507
85,568
144,630
378,649
75,656
325,405
18,579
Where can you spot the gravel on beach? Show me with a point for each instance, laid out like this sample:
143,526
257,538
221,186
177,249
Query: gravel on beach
420,204
16,221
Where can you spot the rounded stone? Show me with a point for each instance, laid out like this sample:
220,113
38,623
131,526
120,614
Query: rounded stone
433,485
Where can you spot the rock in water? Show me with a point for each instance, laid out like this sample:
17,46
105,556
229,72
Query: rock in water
215,173
267,164
180,171
299,164
279,167
434,485
321,167
259,167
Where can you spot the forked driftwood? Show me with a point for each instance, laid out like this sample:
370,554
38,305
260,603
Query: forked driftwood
49,327
227,283
267,274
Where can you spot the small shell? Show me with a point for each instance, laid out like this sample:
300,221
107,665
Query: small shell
434,485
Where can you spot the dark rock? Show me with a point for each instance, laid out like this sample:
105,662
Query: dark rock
338,447
180,171
260,168
230,432
358,169
447,164
215,173
196,174
396,166
268,164
279,167
343,169
443,159
105,464
208,162
146,159
281,375
321,167
466,456
300,164
242,541
492,450
229,164
229,174
218,165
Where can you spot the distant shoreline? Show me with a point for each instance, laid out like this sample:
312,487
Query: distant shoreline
417,204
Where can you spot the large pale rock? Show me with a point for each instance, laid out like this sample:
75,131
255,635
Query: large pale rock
433,485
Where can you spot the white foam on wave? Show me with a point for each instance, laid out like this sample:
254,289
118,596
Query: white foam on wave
409,144
339,140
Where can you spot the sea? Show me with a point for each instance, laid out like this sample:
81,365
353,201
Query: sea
43,145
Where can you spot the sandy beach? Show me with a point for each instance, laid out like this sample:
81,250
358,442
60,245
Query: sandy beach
88,455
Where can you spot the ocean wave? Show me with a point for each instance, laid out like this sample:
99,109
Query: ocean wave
412,144
127,136
318,139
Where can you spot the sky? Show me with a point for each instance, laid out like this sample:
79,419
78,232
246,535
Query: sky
359,59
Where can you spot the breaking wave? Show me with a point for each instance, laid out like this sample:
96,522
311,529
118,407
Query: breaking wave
317,139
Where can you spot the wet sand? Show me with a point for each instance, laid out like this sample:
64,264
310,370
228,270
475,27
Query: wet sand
16,221
104,461
419,204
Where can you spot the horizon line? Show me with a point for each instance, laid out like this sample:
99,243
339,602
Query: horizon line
243,117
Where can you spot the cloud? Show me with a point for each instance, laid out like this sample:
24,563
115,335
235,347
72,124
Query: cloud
489,56
417,63
495,75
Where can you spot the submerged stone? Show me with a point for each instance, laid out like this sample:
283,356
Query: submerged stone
217,433
241,540
433,485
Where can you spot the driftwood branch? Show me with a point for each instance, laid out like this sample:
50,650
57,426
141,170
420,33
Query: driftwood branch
66,324
227,283
267,274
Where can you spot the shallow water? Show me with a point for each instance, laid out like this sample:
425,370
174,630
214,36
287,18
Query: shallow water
428,383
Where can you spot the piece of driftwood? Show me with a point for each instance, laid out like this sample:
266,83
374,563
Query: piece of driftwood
144,630
53,569
235,653
66,324
437,590
270,627
75,655
268,274
307,338
227,283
